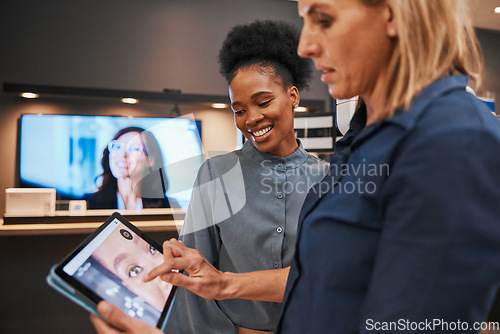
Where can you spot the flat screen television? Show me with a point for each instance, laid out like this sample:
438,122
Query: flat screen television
66,152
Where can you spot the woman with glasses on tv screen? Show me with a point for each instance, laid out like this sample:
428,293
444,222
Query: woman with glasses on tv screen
242,217
133,174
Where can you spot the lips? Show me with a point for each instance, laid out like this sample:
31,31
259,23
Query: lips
325,71
261,132
325,74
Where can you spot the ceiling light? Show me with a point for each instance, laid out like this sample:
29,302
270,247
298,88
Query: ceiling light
129,100
301,109
28,95
219,105
497,10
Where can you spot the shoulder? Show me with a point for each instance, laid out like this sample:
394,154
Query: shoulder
101,199
459,108
311,159
313,163
218,165
458,118
167,202
443,108
101,194
224,158
455,130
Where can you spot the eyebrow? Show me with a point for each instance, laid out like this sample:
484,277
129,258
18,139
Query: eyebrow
253,96
313,8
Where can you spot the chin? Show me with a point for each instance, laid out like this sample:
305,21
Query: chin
120,175
340,95
335,93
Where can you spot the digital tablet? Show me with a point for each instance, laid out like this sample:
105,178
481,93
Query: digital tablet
110,265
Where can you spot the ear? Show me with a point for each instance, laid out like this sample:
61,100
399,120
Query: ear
392,28
293,92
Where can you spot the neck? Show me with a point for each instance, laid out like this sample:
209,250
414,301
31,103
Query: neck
289,151
288,147
374,106
375,98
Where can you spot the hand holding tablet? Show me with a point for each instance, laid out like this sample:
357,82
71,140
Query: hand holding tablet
110,265
118,319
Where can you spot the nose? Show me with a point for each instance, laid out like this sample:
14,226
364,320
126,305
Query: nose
308,47
120,153
254,116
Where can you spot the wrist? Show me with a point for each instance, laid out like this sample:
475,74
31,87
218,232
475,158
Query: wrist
229,285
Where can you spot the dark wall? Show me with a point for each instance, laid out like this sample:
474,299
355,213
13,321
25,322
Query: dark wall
120,44
28,305
126,44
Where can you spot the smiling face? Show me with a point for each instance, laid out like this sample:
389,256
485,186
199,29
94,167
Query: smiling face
126,154
351,44
263,110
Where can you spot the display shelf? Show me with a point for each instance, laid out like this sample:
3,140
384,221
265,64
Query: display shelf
61,216
65,223
83,228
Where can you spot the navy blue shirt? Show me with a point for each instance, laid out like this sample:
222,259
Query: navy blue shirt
405,229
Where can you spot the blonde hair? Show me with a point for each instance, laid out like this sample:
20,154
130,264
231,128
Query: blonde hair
435,38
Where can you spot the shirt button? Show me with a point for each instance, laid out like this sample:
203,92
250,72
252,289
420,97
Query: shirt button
276,264
279,229
280,164
279,195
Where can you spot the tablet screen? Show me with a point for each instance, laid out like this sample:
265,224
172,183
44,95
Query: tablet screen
111,266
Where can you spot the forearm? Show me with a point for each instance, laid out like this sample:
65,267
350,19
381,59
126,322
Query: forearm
264,285
208,282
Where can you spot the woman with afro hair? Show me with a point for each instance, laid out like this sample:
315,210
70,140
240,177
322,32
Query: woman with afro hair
238,236
238,253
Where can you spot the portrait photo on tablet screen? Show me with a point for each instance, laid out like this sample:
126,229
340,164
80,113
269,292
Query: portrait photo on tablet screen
111,266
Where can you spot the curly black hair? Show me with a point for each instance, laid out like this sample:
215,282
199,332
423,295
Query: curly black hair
268,44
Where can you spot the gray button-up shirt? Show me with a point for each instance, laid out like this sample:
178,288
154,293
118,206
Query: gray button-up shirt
243,217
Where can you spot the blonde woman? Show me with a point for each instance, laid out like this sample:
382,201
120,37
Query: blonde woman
405,229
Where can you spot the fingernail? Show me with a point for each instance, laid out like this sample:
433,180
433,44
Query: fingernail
103,307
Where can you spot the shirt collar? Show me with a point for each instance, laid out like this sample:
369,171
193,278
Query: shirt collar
356,126
419,104
294,160
407,119
404,119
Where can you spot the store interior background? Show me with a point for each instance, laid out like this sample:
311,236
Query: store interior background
142,45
